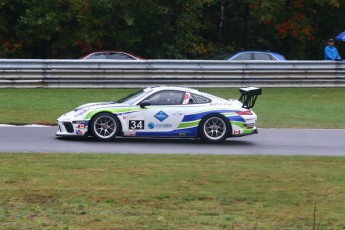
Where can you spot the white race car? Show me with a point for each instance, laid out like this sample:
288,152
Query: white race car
165,111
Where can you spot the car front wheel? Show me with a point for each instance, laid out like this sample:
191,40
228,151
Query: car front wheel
214,128
105,126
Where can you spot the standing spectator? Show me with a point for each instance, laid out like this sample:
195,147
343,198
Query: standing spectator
331,52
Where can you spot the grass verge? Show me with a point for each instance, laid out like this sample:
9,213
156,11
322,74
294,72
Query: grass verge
277,107
102,191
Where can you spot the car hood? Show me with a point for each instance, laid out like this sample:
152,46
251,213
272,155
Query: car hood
94,104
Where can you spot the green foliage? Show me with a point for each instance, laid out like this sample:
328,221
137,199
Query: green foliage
167,29
300,27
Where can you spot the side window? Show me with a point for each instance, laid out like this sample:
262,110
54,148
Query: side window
261,56
167,97
119,56
246,56
197,99
98,56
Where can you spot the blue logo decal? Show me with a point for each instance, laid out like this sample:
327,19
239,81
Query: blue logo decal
151,125
161,116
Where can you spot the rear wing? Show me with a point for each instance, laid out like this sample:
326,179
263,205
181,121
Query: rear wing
249,96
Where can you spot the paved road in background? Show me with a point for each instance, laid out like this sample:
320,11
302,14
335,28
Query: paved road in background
268,141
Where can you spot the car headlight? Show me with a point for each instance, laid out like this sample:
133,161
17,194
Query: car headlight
81,111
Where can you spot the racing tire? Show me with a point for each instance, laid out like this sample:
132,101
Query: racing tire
214,128
104,127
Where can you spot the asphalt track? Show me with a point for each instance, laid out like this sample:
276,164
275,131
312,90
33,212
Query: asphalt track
267,142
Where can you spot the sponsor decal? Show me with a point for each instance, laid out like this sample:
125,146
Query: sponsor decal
152,125
182,134
134,117
81,126
79,122
219,104
161,116
130,133
79,132
236,132
165,126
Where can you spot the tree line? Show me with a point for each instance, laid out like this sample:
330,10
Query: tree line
168,29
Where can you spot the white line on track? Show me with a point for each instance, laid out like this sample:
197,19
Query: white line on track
29,125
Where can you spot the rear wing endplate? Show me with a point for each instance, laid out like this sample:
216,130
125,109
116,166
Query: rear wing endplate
249,96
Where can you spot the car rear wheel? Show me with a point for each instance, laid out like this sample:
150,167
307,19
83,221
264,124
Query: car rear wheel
105,126
214,128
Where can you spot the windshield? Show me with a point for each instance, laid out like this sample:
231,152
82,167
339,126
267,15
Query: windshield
131,98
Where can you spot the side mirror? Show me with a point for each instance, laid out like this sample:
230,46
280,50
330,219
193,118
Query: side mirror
143,104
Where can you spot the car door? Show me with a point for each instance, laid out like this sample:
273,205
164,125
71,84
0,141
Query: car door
160,114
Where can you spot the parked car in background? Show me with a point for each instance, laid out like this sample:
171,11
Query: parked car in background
250,55
112,55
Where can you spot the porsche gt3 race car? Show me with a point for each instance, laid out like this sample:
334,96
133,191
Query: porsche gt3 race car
165,111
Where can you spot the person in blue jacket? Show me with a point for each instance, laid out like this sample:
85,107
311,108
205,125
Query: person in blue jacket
331,52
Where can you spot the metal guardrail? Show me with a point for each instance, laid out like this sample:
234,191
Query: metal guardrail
27,73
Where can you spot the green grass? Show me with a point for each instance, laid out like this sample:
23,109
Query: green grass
277,107
103,191
44,106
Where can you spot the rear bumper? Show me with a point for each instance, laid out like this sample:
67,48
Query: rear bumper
246,132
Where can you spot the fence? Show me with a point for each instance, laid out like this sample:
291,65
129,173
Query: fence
27,73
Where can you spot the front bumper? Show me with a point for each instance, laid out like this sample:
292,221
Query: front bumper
72,128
